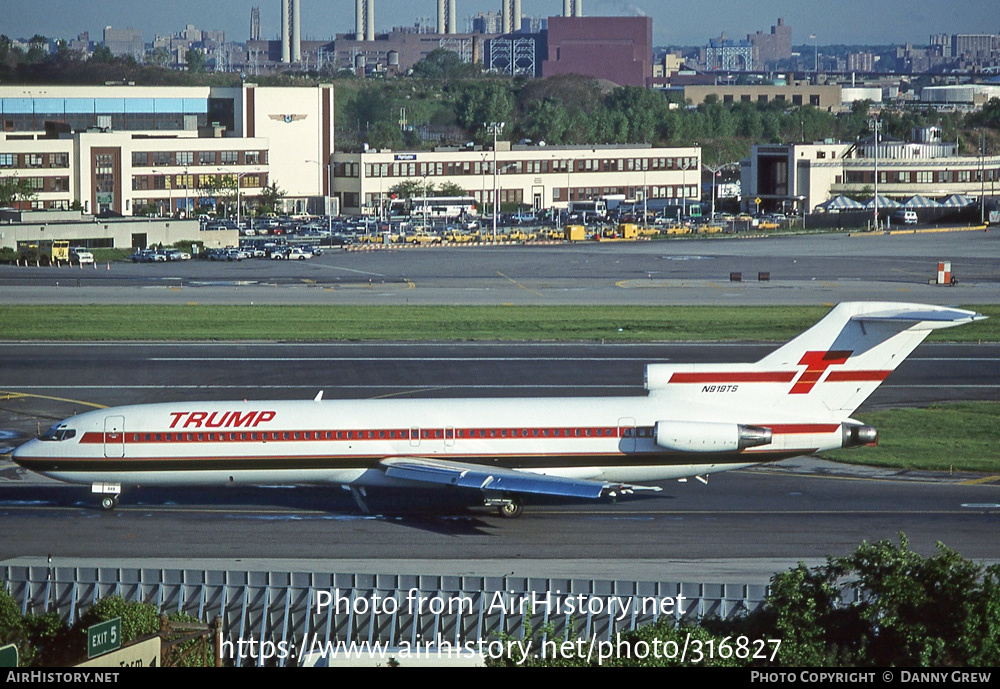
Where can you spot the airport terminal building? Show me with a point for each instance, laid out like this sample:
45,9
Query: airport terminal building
139,150
526,176
793,177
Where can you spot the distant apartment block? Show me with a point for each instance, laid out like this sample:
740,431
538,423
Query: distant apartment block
722,54
826,97
489,23
861,62
771,48
975,46
124,42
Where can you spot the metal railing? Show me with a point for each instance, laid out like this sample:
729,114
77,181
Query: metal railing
310,610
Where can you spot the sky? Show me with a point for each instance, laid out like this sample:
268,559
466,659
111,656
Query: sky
859,22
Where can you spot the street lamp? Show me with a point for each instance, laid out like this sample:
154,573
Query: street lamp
982,178
170,194
326,210
715,173
239,176
495,128
875,126
425,204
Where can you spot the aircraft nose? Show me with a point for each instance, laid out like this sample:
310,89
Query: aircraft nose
23,450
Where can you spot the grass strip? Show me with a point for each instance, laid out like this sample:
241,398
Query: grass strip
959,436
432,323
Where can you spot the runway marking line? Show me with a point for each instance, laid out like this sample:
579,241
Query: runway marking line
527,289
977,481
16,395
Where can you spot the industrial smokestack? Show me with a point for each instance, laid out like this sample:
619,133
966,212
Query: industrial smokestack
286,49
452,16
364,20
510,15
296,33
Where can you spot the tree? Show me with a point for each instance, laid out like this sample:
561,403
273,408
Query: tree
159,57
484,101
411,187
14,190
450,189
444,64
102,55
196,60
269,199
38,48
910,610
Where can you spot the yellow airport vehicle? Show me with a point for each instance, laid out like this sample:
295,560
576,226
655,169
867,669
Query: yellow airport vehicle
422,238
676,230
47,251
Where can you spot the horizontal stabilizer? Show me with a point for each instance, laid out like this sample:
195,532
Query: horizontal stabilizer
498,479
940,317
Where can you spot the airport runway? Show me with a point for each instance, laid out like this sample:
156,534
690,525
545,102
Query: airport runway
822,269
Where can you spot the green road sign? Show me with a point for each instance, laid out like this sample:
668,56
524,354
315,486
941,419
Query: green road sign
8,656
104,637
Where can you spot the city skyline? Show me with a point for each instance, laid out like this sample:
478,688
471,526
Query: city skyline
851,22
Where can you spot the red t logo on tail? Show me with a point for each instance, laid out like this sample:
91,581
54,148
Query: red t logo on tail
816,364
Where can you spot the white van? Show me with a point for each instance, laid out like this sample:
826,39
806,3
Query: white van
905,217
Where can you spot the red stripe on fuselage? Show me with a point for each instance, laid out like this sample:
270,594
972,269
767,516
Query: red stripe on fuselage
728,377
857,376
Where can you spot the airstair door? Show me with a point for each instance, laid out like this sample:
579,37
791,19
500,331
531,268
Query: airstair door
114,436
626,434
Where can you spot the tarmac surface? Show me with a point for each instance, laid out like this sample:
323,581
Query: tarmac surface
726,534
813,269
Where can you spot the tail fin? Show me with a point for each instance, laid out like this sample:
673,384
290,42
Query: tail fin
824,373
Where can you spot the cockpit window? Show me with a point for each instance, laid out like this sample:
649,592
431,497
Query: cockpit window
58,432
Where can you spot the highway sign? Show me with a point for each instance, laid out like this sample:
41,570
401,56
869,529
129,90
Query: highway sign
104,637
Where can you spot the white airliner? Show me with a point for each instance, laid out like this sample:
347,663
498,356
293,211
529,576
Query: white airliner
697,419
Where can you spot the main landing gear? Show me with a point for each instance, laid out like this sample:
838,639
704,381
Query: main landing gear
508,507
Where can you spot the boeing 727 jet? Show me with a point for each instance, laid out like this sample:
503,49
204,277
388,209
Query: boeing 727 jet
695,420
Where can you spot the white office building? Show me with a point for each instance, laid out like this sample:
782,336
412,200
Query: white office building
134,150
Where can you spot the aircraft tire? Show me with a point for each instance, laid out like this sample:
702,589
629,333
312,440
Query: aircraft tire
511,510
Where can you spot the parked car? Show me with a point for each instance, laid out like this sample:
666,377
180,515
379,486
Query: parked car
80,254
177,255
298,253
148,256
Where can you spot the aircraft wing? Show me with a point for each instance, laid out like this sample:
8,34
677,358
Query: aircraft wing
497,479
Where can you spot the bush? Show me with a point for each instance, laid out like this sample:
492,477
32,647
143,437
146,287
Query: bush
910,610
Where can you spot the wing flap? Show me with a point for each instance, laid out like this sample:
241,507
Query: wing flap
497,479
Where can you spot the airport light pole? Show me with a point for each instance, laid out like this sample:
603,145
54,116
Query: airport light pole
982,178
326,210
495,128
875,126
239,176
168,182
